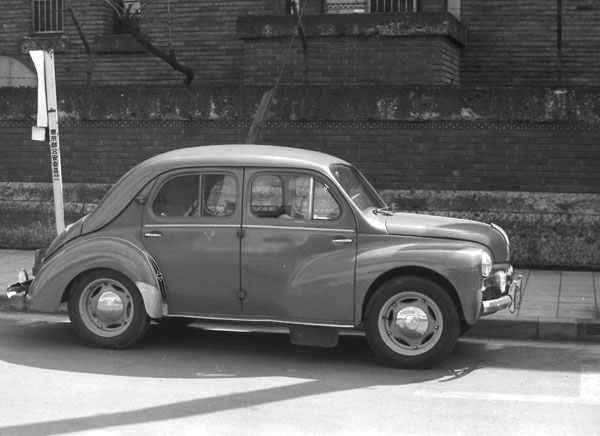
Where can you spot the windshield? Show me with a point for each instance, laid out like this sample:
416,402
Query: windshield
357,187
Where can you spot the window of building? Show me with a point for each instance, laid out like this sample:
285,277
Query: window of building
127,15
48,16
370,6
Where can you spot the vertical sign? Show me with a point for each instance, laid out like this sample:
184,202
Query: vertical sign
48,117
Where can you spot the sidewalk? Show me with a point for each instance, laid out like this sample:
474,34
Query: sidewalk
556,305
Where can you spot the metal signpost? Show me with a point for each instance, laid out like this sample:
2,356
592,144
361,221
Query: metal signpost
47,120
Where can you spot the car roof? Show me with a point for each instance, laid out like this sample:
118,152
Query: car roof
242,155
238,155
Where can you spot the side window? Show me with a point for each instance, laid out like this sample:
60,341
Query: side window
267,196
292,197
325,208
204,195
218,195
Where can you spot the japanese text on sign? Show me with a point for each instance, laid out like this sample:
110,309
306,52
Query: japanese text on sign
54,154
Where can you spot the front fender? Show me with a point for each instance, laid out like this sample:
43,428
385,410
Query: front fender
456,262
50,285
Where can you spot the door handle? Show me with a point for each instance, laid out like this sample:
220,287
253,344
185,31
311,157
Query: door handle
154,234
342,240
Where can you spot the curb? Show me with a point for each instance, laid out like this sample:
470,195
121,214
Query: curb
526,328
537,328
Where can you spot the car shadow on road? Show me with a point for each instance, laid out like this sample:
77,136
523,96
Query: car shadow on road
200,353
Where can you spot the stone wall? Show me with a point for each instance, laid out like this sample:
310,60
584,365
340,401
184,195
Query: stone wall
27,211
546,230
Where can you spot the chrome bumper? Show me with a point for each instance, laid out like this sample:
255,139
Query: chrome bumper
18,289
511,300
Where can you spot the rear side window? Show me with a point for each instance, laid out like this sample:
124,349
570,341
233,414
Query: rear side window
197,195
292,196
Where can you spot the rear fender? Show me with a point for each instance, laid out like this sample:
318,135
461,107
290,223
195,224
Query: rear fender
52,283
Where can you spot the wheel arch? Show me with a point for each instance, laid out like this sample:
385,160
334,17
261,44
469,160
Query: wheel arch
60,274
413,271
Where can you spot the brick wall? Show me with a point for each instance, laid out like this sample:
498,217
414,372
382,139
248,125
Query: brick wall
497,139
538,181
509,42
524,158
354,49
531,42
15,22
345,61
203,36
508,134
581,42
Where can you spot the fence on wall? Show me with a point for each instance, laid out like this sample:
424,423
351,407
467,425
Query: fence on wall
371,6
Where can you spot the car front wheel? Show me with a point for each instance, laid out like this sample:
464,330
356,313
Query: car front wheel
411,322
107,309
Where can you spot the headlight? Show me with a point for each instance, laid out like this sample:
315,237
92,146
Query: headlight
486,264
23,276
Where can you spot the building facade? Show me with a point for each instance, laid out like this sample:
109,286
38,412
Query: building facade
487,110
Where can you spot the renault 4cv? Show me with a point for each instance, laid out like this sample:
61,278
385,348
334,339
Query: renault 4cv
266,234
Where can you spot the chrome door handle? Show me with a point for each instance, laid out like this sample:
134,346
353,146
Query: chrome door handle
154,234
342,240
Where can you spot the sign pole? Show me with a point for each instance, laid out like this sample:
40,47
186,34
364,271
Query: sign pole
44,64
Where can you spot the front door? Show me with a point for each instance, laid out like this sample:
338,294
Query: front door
191,227
298,249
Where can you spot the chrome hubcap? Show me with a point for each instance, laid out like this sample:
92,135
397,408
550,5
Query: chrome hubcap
110,307
410,323
106,307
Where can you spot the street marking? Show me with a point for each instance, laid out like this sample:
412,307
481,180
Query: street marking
496,396
590,383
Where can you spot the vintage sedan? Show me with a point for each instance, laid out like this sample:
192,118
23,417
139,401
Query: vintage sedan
267,234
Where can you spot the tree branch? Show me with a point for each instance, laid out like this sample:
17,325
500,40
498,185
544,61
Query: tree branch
127,18
167,57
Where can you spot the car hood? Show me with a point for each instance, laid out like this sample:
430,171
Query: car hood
428,226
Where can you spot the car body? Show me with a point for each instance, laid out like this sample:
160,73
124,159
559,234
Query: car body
268,234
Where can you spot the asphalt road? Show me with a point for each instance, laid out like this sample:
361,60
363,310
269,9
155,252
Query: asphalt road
199,381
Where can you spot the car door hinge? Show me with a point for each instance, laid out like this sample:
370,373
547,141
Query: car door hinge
241,233
241,294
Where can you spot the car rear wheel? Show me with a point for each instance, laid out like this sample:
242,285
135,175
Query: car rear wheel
107,309
411,322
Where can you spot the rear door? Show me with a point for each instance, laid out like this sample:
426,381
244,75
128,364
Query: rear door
191,224
298,249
